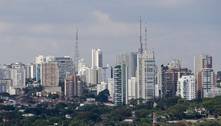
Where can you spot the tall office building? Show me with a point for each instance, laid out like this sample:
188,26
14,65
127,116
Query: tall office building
146,75
72,87
110,87
5,85
131,88
94,76
50,77
4,72
28,71
65,65
18,75
130,59
169,76
101,87
97,58
218,78
5,80
38,61
33,71
205,76
83,70
120,84
186,87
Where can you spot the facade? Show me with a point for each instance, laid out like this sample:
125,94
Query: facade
33,71
131,88
5,85
120,84
205,76
50,77
206,82
146,76
18,75
110,87
186,87
130,59
169,78
66,67
82,70
5,72
5,80
218,78
38,61
71,87
94,76
102,86
97,58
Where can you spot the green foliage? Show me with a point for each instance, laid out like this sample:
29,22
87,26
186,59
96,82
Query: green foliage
103,96
99,114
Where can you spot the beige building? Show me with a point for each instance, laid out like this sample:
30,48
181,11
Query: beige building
72,87
50,77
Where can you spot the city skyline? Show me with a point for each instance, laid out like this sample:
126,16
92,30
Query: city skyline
180,29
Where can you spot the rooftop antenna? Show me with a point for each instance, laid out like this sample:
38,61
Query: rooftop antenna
145,44
76,55
141,44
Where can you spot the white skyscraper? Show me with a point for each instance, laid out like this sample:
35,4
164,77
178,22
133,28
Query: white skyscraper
186,87
18,75
146,75
97,58
120,84
131,88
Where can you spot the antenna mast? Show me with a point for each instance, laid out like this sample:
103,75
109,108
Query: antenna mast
145,44
141,44
76,56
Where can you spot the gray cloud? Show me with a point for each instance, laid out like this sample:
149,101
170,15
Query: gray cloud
176,28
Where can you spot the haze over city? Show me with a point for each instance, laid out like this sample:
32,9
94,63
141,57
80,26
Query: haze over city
176,28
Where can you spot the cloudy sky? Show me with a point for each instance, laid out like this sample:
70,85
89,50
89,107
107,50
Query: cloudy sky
176,28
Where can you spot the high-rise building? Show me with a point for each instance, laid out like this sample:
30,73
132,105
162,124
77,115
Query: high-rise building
28,71
5,72
120,84
83,70
5,80
18,75
218,78
102,86
94,76
38,61
205,76
33,71
72,87
186,87
110,87
66,67
169,75
50,77
130,59
5,85
131,88
146,76
97,58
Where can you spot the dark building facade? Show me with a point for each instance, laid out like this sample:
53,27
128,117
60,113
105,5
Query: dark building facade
170,78
72,87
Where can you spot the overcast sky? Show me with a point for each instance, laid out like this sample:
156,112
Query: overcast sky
176,28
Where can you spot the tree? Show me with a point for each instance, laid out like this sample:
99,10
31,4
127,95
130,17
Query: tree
103,96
